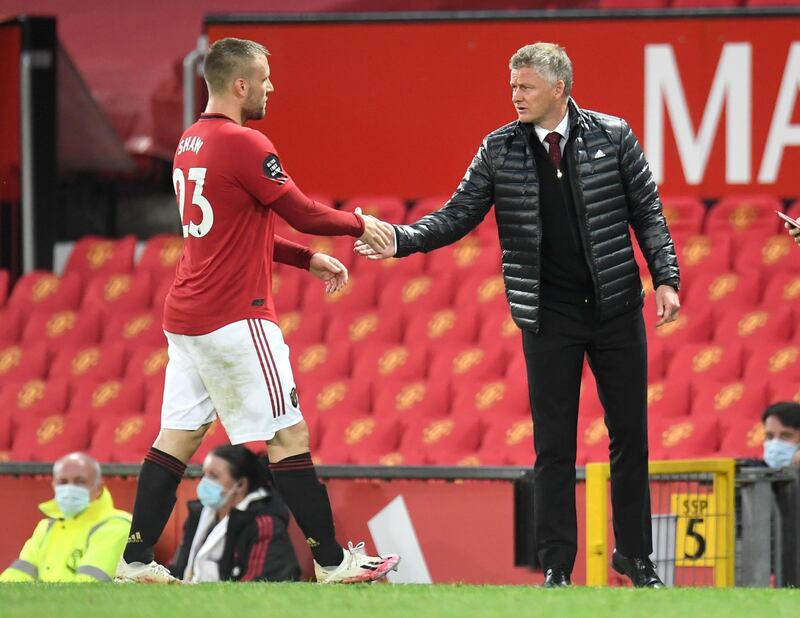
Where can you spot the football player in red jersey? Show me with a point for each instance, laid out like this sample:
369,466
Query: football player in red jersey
227,357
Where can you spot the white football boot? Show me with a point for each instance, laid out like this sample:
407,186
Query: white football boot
357,567
150,573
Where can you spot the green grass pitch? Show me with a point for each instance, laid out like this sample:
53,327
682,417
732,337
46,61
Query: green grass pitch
386,601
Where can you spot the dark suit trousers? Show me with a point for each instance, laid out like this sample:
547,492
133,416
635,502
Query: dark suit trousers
617,353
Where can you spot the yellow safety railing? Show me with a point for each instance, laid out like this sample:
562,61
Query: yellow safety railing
704,521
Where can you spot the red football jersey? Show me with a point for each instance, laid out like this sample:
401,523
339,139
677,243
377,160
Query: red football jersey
227,179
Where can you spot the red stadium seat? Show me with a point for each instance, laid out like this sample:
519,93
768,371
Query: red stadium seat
388,208
364,439
359,293
160,256
668,398
148,364
465,363
783,288
725,291
94,255
317,361
89,362
11,323
365,326
389,360
424,207
499,326
707,361
407,399
97,400
768,255
727,401
441,441
125,438
744,438
689,438
63,327
691,326
703,254
492,399
34,398
5,436
440,327
44,290
774,362
656,360
49,438
745,214
160,291
135,328
288,285
22,363
784,390
684,214
112,293
420,293
324,398
508,442
486,292
469,255
302,327
757,326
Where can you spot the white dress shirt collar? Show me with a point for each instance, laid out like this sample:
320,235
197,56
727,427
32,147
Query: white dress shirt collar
562,129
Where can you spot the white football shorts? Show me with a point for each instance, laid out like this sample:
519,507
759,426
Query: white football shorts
239,372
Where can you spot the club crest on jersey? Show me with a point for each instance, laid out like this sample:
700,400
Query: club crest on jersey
293,396
273,170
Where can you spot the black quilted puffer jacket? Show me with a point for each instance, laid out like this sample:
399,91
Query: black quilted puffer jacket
613,189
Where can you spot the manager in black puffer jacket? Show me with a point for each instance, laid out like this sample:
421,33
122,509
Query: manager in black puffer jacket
568,185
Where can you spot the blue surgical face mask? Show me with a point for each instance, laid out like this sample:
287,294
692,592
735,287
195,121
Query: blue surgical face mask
211,494
779,453
72,499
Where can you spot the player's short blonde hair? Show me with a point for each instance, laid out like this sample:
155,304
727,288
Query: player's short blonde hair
548,60
229,59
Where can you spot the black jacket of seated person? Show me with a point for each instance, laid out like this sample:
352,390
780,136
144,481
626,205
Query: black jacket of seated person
257,546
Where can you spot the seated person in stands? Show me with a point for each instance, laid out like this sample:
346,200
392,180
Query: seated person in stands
82,535
237,530
782,434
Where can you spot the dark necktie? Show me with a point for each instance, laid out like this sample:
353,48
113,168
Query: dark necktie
554,148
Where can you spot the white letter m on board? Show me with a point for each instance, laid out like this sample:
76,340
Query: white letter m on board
731,87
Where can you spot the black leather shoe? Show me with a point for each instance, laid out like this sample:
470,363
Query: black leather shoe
641,571
556,578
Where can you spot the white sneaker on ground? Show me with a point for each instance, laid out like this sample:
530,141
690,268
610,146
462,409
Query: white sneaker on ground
139,573
357,567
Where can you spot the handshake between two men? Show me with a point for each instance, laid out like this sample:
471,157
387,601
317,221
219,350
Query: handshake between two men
376,243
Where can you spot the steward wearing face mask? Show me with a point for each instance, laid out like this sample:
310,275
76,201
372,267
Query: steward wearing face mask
782,434
82,535
237,529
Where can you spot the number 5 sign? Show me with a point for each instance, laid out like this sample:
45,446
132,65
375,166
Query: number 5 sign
697,541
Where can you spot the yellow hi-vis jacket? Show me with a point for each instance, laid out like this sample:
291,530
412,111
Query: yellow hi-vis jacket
84,548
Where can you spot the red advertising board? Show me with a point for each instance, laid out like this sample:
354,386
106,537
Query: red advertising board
401,107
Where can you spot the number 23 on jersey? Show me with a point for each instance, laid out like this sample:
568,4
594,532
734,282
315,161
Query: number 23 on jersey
198,176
